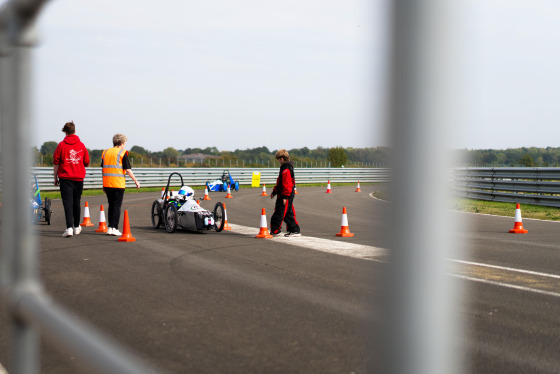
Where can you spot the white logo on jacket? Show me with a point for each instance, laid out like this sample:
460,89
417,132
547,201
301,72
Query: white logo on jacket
74,157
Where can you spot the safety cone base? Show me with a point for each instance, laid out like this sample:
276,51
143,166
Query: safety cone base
264,235
103,229
346,234
518,230
87,224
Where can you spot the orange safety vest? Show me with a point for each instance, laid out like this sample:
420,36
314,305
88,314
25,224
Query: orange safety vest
113,174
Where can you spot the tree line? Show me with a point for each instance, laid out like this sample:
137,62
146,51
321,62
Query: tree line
511,157
251,157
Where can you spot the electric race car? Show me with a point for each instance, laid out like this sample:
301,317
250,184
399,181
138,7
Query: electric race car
223,183
181,211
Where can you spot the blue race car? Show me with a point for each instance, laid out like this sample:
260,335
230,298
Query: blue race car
221,185
39,209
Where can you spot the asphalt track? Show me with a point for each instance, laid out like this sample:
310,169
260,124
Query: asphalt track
230,303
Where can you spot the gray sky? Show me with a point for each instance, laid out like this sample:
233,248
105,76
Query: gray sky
239,74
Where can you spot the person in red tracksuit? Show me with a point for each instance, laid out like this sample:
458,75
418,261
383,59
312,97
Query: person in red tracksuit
70,160
284,208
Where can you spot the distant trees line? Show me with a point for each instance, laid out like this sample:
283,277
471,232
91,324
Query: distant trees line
252,157
530,157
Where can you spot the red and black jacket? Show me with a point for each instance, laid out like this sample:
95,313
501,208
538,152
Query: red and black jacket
286,181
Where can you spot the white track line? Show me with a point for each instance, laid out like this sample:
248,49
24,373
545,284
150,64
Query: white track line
508,269
494,283
319,244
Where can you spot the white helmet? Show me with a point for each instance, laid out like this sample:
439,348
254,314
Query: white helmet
186,192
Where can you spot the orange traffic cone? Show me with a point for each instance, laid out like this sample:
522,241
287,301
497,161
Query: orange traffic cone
344,229
358,189
518,225
263,233
228,196
226,226
87,221
295,191
102,223
264,191
126,235
329,187
198,202
162,192
206,197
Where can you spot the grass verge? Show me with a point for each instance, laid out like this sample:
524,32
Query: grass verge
496,208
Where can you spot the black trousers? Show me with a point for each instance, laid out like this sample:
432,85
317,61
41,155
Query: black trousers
115,198
284,213
71,193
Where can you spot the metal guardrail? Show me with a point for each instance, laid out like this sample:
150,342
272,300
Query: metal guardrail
538,186
157,177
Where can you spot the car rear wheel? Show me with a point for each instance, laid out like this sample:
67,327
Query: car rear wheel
48,210
156,215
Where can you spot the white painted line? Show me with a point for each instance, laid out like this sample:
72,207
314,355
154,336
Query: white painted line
319,244
494,283
509,269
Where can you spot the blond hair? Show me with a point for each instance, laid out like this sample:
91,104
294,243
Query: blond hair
283,154
119,139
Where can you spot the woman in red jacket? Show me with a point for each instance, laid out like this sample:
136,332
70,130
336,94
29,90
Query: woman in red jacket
70,160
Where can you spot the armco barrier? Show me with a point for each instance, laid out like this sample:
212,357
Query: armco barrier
538,186
157,177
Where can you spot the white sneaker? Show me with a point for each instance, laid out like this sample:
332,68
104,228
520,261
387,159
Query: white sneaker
68,233
77,230
110,231
116,232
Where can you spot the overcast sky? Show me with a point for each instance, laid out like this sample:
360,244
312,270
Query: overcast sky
239,74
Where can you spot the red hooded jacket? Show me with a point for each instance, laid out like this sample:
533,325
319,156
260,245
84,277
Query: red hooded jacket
72,157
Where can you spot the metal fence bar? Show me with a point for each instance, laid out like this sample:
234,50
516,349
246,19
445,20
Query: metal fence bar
538,186
157,177
30,309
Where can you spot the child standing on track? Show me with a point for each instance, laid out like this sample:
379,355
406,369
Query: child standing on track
284,208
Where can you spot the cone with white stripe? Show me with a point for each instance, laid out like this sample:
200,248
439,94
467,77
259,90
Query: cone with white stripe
206,197
228,196
226,226
102,223
263,233
358,188
344,229
264,191
87,220
329,187
518,225
295,191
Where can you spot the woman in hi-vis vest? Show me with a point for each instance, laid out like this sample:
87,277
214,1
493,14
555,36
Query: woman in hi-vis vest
115,165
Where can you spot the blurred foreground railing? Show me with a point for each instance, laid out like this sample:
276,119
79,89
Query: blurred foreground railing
30,311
